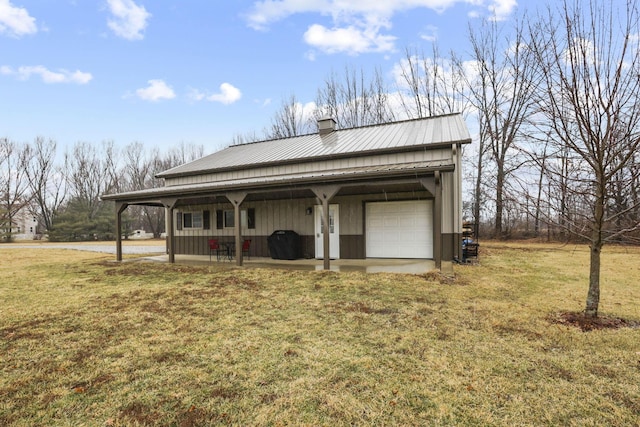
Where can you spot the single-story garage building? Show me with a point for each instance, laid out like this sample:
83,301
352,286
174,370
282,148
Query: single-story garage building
389,191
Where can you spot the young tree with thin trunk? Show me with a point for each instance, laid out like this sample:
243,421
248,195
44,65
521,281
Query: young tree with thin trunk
590,60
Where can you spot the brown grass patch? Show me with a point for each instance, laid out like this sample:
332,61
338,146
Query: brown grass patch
586,323
88,342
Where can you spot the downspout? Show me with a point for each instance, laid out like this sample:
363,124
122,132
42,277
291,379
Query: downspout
171,236
437,222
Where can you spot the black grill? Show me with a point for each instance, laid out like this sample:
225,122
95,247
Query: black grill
284,244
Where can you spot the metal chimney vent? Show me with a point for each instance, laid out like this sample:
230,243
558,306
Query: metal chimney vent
326,125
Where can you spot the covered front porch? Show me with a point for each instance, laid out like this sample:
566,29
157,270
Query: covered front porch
305,207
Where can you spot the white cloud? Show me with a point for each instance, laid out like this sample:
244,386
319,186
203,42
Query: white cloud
501,9
156,91
379,12
129,20
16,21
228,94
349,40
48,76
357,24
430,33
308,110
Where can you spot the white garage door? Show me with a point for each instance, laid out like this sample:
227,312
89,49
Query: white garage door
399,229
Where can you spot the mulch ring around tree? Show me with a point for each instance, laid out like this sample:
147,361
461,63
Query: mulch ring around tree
586,324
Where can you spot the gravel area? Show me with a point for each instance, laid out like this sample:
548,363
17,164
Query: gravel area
107,249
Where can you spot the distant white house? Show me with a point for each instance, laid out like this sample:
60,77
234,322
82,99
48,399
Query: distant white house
23,226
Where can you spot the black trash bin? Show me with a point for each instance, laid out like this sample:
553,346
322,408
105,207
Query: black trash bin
284,244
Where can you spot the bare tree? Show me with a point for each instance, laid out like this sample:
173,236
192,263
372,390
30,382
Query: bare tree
183,153
431,85
353,100
542,160
140,168
46,180
590,61
291,120
90,174
478,193
13,184
502,92
244,138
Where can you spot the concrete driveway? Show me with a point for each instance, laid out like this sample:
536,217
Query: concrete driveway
129,247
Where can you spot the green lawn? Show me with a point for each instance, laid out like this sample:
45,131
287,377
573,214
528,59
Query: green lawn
86,341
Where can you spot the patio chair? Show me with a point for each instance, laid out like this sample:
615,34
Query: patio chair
245,248
214,246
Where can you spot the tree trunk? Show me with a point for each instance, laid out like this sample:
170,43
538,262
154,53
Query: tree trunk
543,163
499,201
478,190
593,296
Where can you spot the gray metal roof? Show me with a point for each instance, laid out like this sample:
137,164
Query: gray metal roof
398,136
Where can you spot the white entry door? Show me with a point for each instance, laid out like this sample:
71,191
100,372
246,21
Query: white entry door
334,232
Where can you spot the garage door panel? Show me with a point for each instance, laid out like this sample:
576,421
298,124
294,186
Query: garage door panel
407,237
399,229
389,237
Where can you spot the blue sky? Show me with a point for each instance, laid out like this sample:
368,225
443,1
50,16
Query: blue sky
198,71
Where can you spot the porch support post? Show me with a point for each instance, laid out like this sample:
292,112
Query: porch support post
434,186
120,207
170,204
236,200
325,194
437,222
